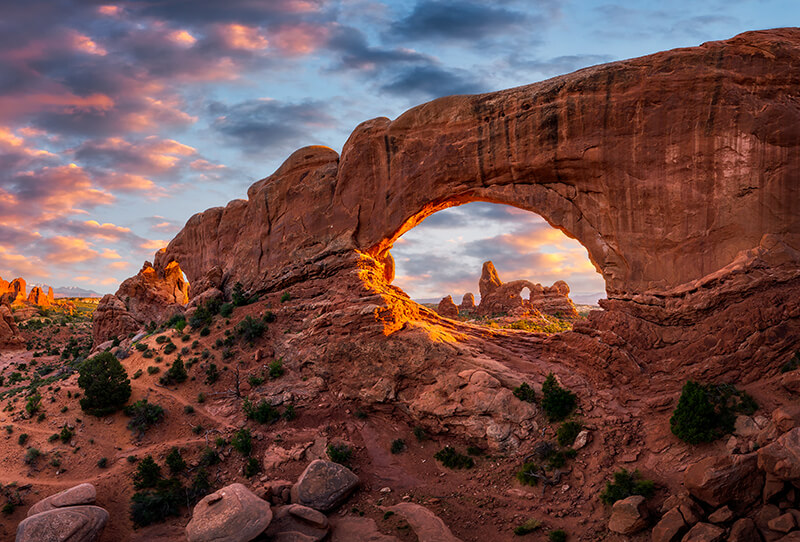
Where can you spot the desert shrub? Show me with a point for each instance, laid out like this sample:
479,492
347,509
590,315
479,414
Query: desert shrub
526,475
263,412
474,450
175,374
398,445
524,392
161,339
557,402
151,370
626,484
33,404
205,332
200,486
276,368
254,380
66,434
141,347
188,409
289,413
339,453
209,457
175,461
143,415
527,527
149,354
285,296
226,310
212,374
169,348
269,317
251,467
238,297
132,459
32,455
102,462
147,473
137,374
705,412
154,505
250,329
105,384
420,433
451,459
201,398
22,439
567,432
242,441
53,437
197,429
558,535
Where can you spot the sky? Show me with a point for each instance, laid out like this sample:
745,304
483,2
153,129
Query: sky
118,121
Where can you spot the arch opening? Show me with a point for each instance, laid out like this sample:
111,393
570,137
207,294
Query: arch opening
501,266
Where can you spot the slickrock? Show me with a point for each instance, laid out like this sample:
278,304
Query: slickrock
324,485
230,514
74,496
71,524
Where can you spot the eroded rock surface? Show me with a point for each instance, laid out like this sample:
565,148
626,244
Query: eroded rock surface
71,524
324,485
74,496
230,514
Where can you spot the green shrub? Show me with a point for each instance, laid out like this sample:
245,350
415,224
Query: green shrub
154,505
200,486
568,432
147,473
153,370
557,402
149,354
289,413
32,455
528,527
197,429
212,374
238,297
242,441
398,445
102,462
175,374
285,296
105,384
143,415
174,461
524,392
170,348
269,317
263,412
251,467
526,475
33,404
66,434
226,310
205,332
209,457
254,380
420,433
250,329
276,369
339,453
559,535
451,459
161,339
188,409
137,374
201,397
474,450
626,484
141,347
22,439
706,412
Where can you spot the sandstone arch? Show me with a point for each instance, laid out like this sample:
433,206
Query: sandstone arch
677,171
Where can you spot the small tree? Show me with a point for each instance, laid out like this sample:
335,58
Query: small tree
105,384
174,461
557,402
143,414
147,474
242,441
701,415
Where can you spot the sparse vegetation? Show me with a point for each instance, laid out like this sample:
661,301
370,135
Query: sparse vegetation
66,434
706,412
212,374
557,402
524,392
33,404
276,368
567,432
451,459
105,384
143,415
526,475
175,461
420,433
251,467
626,484
250,329
263,412
102,462
32,455
339,453
242,441
558,535
285,296
528,527
175,374
398,445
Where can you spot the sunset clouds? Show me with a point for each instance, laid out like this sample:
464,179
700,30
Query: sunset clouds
119,120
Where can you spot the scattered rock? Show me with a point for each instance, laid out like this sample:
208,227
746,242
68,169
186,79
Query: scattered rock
324,485
309,515
74,496
722,515
786,417
582,439
231,514
628,515
670,527
70,524
296,522
791,381
704,532
783,523
744,530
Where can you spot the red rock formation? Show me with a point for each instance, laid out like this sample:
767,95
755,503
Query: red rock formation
19,288
676,171
467,303
498,297
553,300
10,337
447,308
50,296
3,286
37,297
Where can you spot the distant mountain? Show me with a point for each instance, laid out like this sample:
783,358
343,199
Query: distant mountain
74,291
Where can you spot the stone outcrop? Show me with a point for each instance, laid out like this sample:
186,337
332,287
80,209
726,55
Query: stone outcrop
467,303
447,308
498,297
50,295
230,514
781,459
628,516
297,521
66,516
701,282
18,287
324,485
720,480
10,336
74,496
38,297
425,523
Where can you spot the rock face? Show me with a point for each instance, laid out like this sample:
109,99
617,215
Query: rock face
148,296
447,308
9,332
72,524
38,297
18,287
467,303
699,281
324,485
425,523
724,479
231,514
74,496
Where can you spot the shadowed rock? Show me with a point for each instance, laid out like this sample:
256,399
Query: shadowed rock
231,514
324,485
71,524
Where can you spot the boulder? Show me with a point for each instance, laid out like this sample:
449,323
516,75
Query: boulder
781,458
447,308
786,417
718,480
705,532
296,522
628,516
71,524
352,529
721,515
230,514
744,530
426,524
74,496
582,439
324,485
783,523
670,527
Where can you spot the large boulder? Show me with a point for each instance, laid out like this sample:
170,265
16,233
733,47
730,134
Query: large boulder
629,515
324,485
720,480
744,530
354,528
427,525
74,496
71,524
230,514
705,532
111,319
781,458
297,522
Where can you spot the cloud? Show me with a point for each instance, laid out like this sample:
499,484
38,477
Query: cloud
468,21
558,65
270,126
424,82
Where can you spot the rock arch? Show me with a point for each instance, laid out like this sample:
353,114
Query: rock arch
677,171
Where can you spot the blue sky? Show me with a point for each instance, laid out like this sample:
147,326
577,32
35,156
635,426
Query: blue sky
120,120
